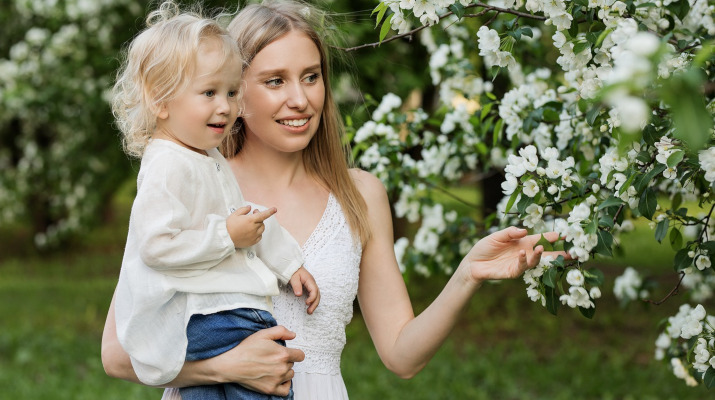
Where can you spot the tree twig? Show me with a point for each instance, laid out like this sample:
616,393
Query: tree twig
409,34
704,231
672,293
448,193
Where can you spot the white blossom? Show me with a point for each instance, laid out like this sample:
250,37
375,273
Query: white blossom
575,278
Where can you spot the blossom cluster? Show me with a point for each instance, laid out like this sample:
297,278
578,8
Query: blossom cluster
689,325
59,51
602,135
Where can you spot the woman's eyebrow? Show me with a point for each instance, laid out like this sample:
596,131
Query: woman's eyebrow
282,71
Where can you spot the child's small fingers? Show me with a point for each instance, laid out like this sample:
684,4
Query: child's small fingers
298,290
312,294
313,305
243,210
263,215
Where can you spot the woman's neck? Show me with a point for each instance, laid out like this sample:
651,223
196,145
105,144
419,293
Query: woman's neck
262,172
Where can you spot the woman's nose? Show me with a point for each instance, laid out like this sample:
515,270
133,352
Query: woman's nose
297,98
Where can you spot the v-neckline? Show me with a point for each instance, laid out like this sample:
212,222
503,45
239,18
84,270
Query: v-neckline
311,237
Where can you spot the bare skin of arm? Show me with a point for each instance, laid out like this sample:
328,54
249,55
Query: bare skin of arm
404,342
257,363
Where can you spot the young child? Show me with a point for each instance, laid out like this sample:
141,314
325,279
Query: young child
199,268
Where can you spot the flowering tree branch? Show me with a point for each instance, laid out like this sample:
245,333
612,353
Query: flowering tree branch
409,34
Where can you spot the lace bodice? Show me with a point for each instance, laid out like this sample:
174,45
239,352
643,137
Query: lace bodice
332,255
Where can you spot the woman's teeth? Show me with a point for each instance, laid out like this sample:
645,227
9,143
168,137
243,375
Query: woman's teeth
294,122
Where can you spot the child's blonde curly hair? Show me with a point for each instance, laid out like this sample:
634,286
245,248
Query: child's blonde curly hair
157,65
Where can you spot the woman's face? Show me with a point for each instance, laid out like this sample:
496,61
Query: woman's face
284,94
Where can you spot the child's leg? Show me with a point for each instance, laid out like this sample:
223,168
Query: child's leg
213,334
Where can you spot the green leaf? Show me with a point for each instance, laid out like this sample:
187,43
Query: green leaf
592,114
709,246
594,276
648,203
679,8
512,199
485,111
602,37
386,25
496,135
381,6
691,120
706,53
682,260
558,262
583,105
677,200
606,222
550,277
661,229
628,183
605,243
587,312
676,239
580,46
643,182
650,136
552,300
380,15
643,156
675,158
709,378
526,31
610,202
458,9
548,246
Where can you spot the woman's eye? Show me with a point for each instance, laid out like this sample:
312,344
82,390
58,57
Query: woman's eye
209,93
312,78
274,82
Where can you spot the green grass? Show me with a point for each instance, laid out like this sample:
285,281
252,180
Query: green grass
53,306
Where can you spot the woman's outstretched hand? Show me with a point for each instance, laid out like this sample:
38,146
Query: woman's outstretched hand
506,254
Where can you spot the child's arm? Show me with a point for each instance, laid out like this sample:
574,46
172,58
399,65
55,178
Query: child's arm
303,279
174,233
279,250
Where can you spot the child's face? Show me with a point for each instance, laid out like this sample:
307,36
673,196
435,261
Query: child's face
201,116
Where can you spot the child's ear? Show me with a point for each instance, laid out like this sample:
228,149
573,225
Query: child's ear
162,112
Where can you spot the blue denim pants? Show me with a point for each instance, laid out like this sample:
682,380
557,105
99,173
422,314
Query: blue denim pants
213,334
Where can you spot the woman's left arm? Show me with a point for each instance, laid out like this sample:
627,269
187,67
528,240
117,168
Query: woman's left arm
404,342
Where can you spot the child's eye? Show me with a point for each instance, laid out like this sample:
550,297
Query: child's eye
209,93
233,93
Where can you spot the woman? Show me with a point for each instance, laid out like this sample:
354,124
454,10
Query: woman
287,153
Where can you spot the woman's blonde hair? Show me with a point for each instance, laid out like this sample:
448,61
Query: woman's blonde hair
157,65
327,154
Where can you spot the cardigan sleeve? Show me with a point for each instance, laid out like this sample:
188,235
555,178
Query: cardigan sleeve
172,239
279,250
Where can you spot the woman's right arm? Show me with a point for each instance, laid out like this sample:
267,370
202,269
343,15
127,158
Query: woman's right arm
258,363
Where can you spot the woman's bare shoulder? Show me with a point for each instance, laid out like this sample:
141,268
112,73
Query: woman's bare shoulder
368,185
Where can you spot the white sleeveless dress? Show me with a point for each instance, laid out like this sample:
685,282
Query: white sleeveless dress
332,255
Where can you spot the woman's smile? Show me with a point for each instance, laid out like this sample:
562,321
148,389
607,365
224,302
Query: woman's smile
283,98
